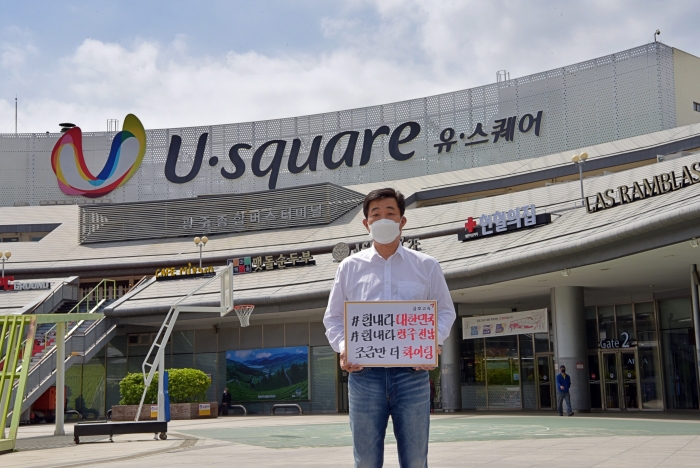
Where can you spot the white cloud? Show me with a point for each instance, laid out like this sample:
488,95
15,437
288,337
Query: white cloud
263,355
406,49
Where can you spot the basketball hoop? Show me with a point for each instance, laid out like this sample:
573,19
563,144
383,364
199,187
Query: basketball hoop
243,312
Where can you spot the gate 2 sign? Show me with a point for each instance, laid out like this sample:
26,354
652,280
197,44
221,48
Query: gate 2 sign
611,344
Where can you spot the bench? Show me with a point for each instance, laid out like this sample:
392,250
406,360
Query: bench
285,405
112,428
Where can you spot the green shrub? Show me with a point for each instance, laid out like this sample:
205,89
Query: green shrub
184,386
188,385
131,389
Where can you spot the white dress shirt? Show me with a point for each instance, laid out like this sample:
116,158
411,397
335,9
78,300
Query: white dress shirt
405,276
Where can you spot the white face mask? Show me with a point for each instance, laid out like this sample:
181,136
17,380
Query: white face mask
384,231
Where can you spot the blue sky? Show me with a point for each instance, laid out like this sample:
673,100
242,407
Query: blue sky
182,63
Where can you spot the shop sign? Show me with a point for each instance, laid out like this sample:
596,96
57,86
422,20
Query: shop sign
520,217
205,409
8,283
29,285
154,411
244,265
612,344
514,323
658,185
391,333
185,272
503,129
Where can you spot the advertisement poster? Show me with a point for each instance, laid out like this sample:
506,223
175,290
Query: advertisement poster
391,333
513,323
280,374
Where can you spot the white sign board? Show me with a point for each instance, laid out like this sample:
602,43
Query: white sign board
514,323
391,333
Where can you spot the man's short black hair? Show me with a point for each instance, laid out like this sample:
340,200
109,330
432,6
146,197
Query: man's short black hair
384,193
562,367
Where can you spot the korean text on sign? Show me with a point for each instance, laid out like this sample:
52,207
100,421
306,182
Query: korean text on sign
391,333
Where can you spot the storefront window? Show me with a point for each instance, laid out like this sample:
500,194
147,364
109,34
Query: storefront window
646,325
473,374
527,371
541,342
503,372
625,322
678,353
606,323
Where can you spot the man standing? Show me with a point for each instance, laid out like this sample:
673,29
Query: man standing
387,272
563,386
225,402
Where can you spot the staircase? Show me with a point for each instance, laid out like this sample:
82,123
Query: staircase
83,340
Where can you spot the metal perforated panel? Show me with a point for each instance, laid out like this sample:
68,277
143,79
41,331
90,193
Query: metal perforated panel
301,206
617,96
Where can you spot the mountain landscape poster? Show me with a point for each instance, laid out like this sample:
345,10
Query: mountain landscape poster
280,374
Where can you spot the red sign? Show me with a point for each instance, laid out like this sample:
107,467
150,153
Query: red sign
5,283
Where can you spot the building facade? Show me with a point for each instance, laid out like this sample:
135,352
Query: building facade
543,269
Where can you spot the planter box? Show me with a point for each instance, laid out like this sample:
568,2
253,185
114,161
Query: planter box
177,411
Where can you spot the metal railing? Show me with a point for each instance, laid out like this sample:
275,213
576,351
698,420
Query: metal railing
66,291
93,297
78,348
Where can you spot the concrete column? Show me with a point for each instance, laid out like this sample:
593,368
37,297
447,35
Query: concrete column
694,279
60,378
450,386
570,350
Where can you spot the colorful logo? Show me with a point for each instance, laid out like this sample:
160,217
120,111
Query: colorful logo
125,156
475,331
499,328
486,330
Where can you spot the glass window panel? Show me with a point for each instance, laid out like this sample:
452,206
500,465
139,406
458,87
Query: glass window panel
473,373
503,372
675,313
541,342
679,369
527,371
606,323
591,328
646,325
625,322
650,379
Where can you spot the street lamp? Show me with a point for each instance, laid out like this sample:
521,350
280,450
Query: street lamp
580,159
4,256
200,243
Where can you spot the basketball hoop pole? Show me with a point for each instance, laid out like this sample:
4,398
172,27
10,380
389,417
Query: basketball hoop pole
155,362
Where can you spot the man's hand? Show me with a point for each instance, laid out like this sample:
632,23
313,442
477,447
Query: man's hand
561,386
429,368
348,367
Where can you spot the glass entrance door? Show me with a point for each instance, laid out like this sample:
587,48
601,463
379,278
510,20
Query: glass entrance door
544,382
611,376
630,385
621,380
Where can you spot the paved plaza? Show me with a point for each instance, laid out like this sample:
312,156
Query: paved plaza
457,440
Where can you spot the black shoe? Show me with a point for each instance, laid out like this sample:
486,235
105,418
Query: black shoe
571,414
560,414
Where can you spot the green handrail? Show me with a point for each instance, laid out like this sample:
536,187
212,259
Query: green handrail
87,299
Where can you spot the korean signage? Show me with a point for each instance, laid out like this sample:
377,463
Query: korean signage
514,323
243,265
391,333
8,283
221,214
658,185
189,271
503,129
204,409
520,217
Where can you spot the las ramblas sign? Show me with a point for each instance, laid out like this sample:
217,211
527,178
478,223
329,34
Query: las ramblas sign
658,185
520,217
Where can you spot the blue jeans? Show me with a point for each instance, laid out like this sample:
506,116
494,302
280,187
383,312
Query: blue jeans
375,393
561,397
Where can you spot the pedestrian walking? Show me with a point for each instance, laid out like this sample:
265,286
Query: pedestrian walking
563,386
225,402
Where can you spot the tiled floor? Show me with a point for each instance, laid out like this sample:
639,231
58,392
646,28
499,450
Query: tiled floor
466,439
